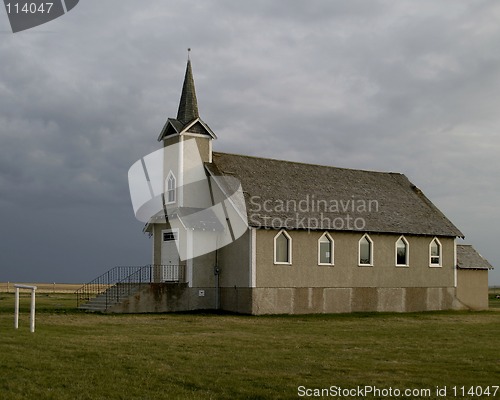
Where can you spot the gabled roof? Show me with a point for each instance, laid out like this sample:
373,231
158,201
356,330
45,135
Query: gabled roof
469,258
195,127
188,119
303,196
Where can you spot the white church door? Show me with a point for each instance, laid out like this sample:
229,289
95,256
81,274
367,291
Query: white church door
169,256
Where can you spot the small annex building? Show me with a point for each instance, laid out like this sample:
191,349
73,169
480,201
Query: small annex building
472,277
316,239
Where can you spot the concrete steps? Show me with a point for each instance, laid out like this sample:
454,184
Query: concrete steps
112,296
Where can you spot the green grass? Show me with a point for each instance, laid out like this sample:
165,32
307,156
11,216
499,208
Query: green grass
74,355
493,301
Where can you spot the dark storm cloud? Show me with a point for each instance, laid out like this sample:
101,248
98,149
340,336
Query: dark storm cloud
396,86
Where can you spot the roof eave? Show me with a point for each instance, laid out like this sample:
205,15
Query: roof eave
147,228
369,231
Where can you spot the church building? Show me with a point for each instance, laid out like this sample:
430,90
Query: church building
265,236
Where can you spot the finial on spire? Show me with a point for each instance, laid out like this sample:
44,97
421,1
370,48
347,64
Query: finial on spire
189,51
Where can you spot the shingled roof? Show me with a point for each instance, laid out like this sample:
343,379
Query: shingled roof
188,105
188,119
469,258
291,195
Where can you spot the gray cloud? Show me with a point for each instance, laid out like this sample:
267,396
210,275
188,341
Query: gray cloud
394,86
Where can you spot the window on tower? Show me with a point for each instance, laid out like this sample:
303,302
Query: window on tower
171,188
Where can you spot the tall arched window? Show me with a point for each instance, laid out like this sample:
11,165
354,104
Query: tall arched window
402,252
365,251
325,250
435,253
282,248
171,188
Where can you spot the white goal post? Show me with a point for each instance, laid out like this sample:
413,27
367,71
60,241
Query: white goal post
16,306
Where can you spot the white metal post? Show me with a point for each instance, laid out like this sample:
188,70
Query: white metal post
16,306
16,309
32,313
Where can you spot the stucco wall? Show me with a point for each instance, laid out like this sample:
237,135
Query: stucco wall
171,140
166,297
346,300
305,271
202,143
171,297
204,148
234,263
203,270
306,287
236,299
157,240
472,288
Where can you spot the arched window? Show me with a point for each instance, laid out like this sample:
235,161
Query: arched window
365,251
325,249
435,253
171,188
402,252
282,248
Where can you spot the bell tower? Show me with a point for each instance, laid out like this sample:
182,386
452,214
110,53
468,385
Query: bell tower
187,144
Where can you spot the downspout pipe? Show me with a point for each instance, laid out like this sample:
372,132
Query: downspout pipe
216,273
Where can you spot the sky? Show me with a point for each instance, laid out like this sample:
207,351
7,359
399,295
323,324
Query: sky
402,86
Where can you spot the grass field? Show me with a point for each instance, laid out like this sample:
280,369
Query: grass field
74,355
494,303
8,287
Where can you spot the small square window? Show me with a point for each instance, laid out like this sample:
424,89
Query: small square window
169,236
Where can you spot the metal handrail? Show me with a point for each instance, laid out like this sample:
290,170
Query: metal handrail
169,272
120,282
128,285
103,282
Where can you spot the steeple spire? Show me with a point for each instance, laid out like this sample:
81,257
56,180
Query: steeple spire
188,121
188,106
